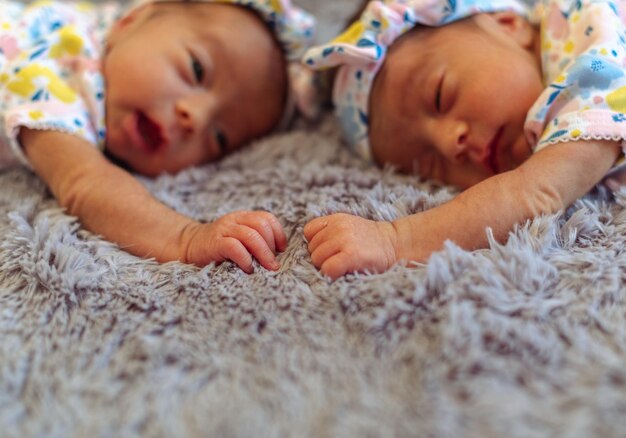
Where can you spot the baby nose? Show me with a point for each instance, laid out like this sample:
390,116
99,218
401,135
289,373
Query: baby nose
193,113
454,142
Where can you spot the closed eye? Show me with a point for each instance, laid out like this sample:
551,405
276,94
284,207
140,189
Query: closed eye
438,94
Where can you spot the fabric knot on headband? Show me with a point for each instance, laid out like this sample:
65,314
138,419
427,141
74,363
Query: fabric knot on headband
360,51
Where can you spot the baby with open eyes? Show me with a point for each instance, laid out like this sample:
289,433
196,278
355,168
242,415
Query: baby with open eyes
521,106
158,87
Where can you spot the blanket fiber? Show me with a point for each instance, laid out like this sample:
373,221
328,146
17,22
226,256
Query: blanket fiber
525,339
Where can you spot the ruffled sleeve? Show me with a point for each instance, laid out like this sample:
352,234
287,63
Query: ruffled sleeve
51,80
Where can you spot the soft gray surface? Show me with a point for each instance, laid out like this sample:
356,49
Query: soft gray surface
523,340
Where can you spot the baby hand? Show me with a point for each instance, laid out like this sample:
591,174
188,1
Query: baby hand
343,243
238,237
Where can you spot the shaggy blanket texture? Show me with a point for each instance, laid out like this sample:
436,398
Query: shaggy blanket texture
525,339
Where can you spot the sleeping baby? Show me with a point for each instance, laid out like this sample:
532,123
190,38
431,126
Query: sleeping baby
523,108
158,87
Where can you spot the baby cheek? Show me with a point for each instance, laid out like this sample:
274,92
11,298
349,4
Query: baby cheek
206,152
403,158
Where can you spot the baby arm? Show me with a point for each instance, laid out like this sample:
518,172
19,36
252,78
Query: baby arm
547,182
109,201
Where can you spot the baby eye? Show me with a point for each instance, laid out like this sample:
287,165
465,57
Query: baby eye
221,140
198,69
438,96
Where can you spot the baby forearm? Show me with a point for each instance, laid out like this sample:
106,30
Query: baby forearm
462,220
548,182
106,199
115,205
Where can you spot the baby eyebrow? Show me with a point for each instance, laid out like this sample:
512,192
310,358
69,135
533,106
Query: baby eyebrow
156,13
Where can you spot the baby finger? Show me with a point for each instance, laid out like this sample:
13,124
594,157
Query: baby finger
320,238
323,252
337,266
257,246
314,227
259,222
279,234
232,249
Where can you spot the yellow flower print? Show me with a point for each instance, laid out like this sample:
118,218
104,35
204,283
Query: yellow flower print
277,6
70,43
352,35
24,83
35,115
39,3
85,6
384,23
617,100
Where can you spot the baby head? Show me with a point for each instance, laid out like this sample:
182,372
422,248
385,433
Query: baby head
188,82
448,103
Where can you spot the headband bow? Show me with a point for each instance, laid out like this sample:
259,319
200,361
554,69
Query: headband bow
360,51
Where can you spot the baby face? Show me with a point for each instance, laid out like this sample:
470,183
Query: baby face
189,83
450,103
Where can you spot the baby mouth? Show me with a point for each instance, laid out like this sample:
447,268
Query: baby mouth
150,133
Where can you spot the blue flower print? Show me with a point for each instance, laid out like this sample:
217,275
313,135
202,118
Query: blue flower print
594,72
350,121
554,136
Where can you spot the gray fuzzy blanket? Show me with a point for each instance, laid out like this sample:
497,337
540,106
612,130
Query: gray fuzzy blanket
526,339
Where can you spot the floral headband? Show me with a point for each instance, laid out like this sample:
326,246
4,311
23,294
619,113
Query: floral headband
360,52
295,31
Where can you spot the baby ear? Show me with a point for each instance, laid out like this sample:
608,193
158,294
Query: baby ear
129,18
123,24
516,26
